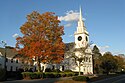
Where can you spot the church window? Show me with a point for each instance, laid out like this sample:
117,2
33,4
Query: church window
11,68
63,68
17,61
90,59
86,38
11,60
53,67
16,68
6,59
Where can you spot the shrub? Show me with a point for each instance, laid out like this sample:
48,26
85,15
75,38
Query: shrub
26,75
56,75
49,75
76,73
32,75
68,70
37,75
56,70
2,74
81,78
68,74
48,70
122,72
62,74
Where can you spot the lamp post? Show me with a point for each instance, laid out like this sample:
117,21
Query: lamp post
4,45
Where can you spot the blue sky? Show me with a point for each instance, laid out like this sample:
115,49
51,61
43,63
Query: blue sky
104,19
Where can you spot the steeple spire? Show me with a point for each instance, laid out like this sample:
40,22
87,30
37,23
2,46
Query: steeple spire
81,26
80,14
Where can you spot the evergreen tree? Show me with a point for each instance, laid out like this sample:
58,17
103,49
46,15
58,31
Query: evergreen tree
96,59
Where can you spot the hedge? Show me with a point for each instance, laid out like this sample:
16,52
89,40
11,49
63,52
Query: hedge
81,78
37,75
32,75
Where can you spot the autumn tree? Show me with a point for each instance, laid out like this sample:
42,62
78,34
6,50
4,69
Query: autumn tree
41,38
96,59
120,63
108,63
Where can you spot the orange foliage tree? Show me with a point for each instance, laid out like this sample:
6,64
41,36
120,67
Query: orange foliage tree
41,38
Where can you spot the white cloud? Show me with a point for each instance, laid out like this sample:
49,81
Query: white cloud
70,16
70,35
15,35
103,49
118,52
68,25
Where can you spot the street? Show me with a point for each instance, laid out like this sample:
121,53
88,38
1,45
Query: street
118,79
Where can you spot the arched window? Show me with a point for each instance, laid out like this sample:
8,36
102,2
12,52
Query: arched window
16,68
17,61
11,68
11,60
6,59
86,38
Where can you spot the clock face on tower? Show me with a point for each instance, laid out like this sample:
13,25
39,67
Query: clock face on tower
79,38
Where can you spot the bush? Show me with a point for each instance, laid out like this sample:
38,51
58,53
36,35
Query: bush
68,74
32,75
76,73
81,78
48,70
2,74
56,75
56,70
52,75
122,72
26,75
49,75
37,75
68,70
62,74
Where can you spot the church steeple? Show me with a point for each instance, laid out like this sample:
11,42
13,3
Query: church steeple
80,28
80,14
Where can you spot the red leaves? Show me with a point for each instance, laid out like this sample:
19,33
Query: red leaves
42,37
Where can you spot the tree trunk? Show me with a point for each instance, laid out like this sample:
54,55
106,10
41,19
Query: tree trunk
38,65
79,69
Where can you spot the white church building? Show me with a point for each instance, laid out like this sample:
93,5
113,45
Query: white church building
81,41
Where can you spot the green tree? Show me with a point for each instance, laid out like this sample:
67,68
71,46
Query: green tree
108,63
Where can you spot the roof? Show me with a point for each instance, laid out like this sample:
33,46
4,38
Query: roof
10,52
69,46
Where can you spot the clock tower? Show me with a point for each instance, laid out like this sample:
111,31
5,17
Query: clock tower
81,35
81,40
